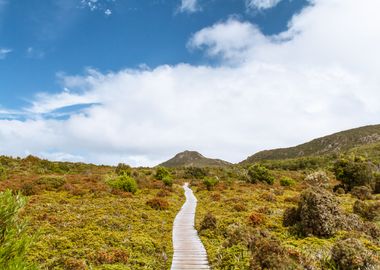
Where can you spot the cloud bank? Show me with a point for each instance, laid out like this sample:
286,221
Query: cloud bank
189,6
261,4
318,77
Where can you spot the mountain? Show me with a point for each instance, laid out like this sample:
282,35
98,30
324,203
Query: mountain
193,159
336,143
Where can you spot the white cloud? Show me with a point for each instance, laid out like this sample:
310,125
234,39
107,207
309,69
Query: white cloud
318,77
189,6
261,4
4,52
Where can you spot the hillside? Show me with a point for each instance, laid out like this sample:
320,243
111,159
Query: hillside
331,144
193,159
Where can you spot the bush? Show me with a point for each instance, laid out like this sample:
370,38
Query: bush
124,183
319,212
258,173
354,172
168,181
256,219
3,173
210,182
367,210
14,240
158,204
318,179
208,222
362,193
287,181
291,217
51,182
350,254
123,169
195,173
161,173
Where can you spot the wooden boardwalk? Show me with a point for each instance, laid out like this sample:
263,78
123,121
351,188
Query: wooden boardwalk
189,252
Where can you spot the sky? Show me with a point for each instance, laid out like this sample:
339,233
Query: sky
109,81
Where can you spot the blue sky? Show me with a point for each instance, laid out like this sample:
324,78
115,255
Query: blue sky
67,36
108,81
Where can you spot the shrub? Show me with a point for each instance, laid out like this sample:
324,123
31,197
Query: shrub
123,169
111,256
124,183
3,173
367,210
258,173
208,222
168,181
318,179
161,173
354,172
195,173
351,254
256,219
51,182
158,204
319,212
240,207
14,240
340,191
210,182
291,217
362,193
287,181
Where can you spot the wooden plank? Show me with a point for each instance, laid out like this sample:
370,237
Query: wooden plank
189,252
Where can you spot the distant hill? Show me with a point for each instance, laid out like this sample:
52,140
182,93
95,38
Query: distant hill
193,159
336,143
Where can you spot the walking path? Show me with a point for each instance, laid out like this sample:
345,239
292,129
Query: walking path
189,252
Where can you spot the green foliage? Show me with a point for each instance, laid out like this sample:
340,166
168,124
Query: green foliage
367,210
123,169
14,240
259,173
362,193
3,173
124,183
161,173
354,171
51,182
210,182
287,181
168,181
195,173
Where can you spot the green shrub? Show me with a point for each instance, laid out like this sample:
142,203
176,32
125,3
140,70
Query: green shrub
351,254
259,173
123,169
51,182
354,172
168,181
14,240
3,173
287,181
195,173
362,193
210,182
161,173
367,210
124,183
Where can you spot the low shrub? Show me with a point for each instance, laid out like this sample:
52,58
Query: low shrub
111,256
14,240
367,210
318,179
51,182
340,191
268,196
362,193
123,169
291,217
256,219
158,204
74,264
287,181
259,173
168,181
208,222
195,173
3,173
124,183
161,173
239,207
351,254
210,182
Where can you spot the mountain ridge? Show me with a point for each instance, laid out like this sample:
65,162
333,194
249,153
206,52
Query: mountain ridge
193,159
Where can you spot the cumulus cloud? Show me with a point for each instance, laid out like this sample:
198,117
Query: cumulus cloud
261,4
4,52
315,78
189,6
